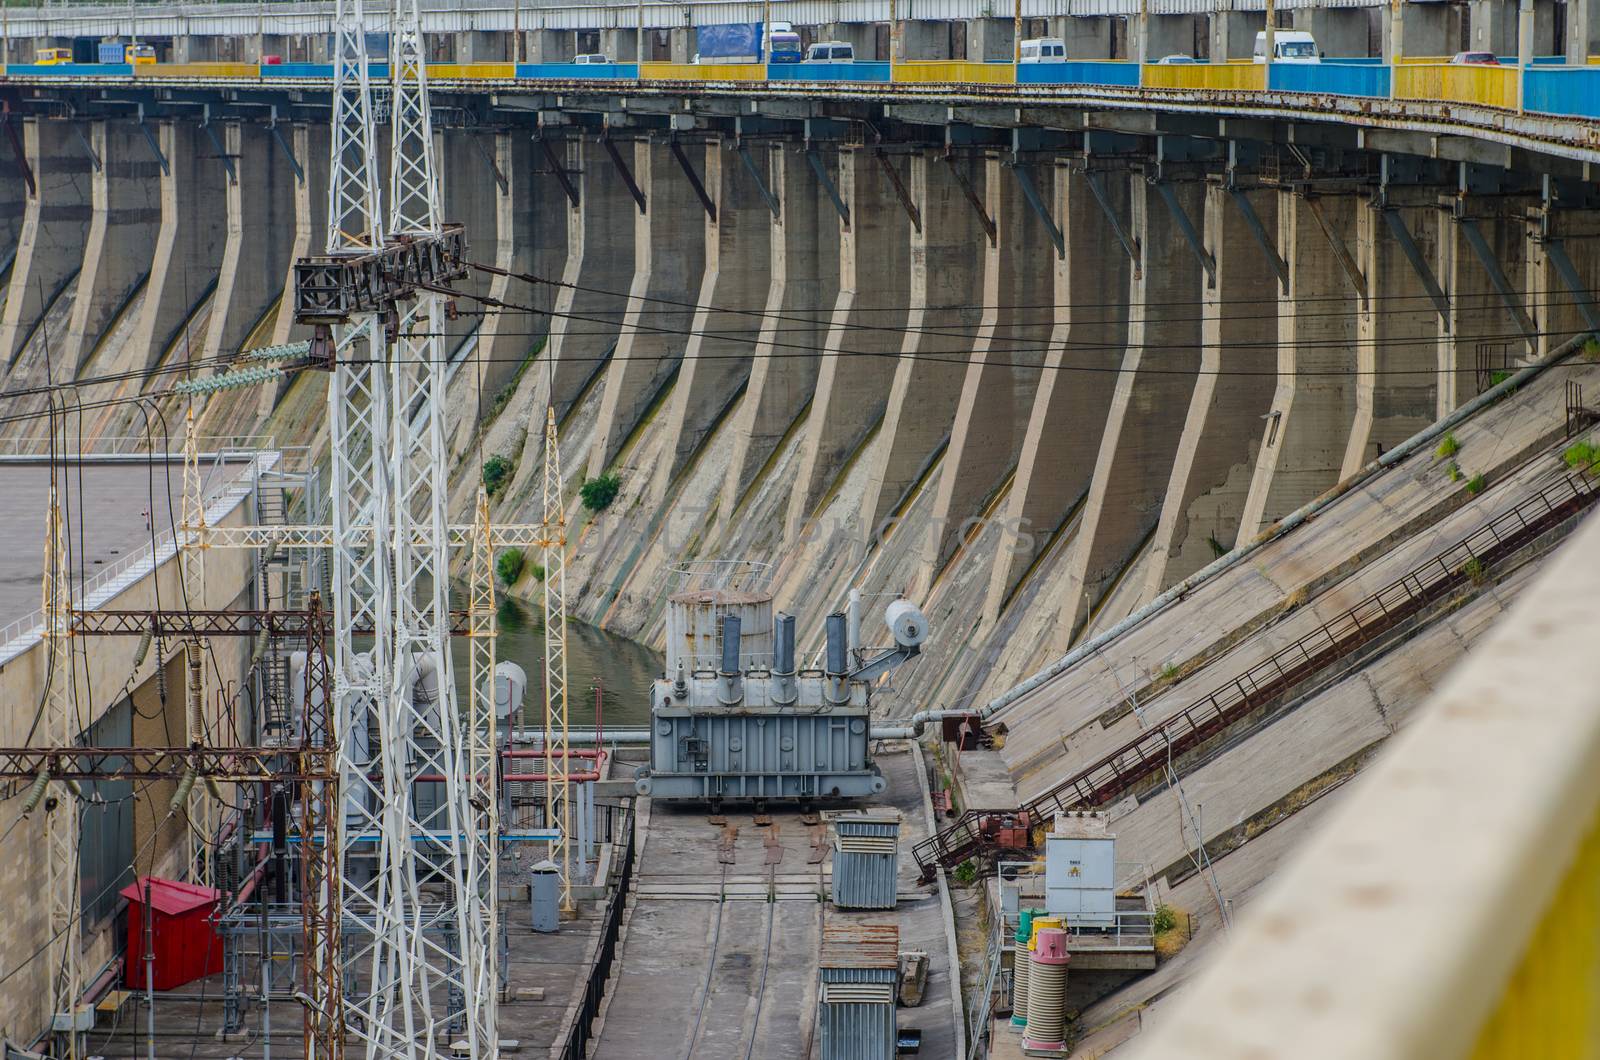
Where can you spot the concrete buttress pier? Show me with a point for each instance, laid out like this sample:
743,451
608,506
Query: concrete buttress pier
669,262
804,283
122,229
738,256
1397,333
189,241
1154,390
865,333
310,147
946,308
1090,331
1212,468
55,227
260,204
590,304
1314,406
1002,375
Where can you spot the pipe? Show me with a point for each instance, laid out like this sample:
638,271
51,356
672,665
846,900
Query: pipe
918,721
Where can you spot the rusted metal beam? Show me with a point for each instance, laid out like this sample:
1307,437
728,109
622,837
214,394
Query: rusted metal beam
899,188
694,180
972,197
623,171
558,170
1340,251
19,154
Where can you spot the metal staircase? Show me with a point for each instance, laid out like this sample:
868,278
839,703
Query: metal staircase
973,835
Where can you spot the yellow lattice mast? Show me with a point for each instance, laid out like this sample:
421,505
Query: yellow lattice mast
61,821
553,542
202,808
482,741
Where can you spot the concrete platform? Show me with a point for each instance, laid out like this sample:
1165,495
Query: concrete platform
720,959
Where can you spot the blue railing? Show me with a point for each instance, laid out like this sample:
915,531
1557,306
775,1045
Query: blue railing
873,71
1570,90
1119,74
323,71
585,71
1331,78
69,70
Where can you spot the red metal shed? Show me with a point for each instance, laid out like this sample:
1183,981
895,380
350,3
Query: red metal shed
185,944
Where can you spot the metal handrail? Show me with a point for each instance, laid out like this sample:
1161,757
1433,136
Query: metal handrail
1380,611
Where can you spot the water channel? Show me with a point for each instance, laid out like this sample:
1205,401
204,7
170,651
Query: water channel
621,668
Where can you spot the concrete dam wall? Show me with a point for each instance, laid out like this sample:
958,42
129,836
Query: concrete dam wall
1027,377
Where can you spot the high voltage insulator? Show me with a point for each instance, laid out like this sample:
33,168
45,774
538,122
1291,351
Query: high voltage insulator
287,351
143,649
241,377
180,798
36,792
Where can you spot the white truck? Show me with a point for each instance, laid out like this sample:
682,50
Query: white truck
1288,46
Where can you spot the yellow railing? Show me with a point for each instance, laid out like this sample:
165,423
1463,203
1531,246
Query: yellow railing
473,71
1485,86
1448,907
1215,77
956,71
702,72
197,70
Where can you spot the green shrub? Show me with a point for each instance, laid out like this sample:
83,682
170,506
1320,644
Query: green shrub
966,872
1453,472
1169,672
1448,447
1582,456
1474,570
1165,919
598,493
1500,376
1591,349
537,570
508,565
497,472
1475,484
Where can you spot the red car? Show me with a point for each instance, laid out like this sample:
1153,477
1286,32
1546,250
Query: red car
1474,59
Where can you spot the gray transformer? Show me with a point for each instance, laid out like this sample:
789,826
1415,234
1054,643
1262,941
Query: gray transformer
739,719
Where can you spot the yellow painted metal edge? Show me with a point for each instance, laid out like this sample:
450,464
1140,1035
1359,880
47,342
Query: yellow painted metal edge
1398,929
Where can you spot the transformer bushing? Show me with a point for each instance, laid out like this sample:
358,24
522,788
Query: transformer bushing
1047,991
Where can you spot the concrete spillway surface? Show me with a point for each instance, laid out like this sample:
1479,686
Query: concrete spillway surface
111,506
720,959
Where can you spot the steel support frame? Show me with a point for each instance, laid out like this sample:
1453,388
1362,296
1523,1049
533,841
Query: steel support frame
1030,192
1419,264
1497,277
1190,235
558,170
820,168
1252,221
1130,245
767,194
893,175
624,172
1341,253
1573,282
972,197
694,178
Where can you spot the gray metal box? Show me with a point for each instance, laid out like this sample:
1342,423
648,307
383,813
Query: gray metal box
544,894
866,859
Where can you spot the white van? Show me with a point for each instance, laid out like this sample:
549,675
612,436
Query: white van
831,51
1288,46
593,59
1044,50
